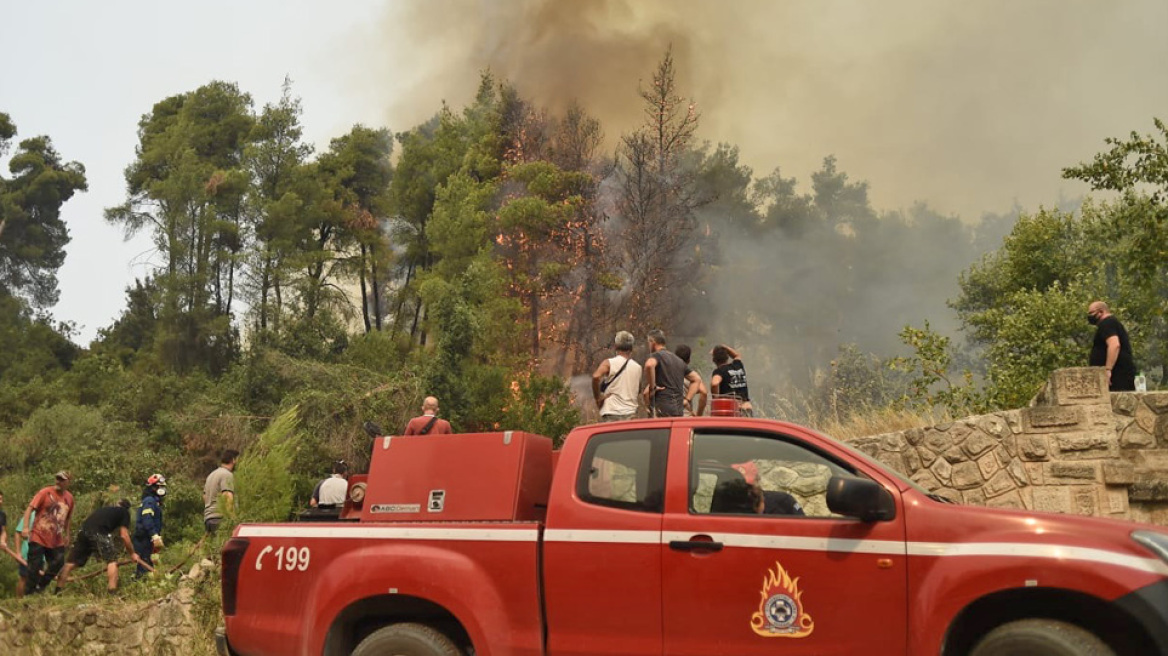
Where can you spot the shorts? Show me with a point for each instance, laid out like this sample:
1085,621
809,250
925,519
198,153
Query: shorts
212,525
22,571
606,418
89,543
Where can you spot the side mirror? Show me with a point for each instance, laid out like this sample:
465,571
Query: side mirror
864,499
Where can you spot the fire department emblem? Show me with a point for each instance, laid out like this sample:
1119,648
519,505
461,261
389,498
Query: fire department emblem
780,610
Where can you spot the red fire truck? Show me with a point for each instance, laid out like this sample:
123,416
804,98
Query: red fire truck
701,536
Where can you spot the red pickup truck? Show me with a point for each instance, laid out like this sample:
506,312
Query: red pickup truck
702,535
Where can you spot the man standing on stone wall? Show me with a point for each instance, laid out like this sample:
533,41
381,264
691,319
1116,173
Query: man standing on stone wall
1111,348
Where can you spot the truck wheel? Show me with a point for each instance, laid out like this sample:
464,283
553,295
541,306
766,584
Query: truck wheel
407,640
1041,638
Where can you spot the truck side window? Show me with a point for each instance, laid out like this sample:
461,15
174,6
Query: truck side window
625,470
759,475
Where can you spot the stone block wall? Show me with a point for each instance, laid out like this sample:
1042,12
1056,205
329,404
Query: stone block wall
160,627
1077,449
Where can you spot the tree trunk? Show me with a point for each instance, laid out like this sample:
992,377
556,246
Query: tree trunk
364,293
376,288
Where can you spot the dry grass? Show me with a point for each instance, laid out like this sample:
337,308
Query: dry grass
845,423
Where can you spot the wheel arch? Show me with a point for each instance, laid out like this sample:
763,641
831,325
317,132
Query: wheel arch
364,616
1122,632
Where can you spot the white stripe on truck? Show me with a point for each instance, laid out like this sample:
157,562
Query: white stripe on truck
738,540
389,533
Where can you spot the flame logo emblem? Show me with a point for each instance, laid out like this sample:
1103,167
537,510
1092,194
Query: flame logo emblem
780,611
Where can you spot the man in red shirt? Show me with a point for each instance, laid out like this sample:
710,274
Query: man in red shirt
428,423
49,535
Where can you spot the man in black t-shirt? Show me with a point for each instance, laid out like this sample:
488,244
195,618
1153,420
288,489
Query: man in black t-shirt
729,377
97,537
1111,348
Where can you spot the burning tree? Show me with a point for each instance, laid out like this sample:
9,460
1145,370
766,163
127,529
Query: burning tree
656,201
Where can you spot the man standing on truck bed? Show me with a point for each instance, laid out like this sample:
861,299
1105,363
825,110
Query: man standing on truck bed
220,482
428,423
729,377
666,392
616,381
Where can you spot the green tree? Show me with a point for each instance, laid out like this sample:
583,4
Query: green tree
32,234
187,186
1137,168
275,158
358,164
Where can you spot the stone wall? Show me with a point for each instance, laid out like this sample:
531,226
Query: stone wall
1076,449
160,627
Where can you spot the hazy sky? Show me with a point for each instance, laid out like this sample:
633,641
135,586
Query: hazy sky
969,106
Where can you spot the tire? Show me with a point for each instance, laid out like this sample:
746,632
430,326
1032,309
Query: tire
1041,638
407,640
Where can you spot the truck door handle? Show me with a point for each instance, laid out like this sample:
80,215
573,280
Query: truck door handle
695,545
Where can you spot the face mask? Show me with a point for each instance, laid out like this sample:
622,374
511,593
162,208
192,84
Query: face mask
1092,319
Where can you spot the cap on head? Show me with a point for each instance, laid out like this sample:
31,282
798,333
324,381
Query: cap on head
156,479
62,475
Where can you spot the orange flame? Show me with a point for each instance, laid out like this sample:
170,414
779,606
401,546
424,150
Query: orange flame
780,610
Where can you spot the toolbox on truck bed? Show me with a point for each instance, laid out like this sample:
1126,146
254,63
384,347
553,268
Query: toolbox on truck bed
496,476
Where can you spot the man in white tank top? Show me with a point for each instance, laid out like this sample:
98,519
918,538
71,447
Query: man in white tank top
617,380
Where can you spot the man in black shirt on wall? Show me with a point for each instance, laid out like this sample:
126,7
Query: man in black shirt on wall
97,538
1111,348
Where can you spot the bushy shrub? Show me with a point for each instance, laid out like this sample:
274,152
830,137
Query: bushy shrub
545,406
263,475
101,454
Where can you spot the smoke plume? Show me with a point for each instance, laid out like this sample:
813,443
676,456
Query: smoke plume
969,106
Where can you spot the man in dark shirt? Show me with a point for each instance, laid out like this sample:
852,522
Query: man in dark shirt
729,378
1111,348
668,388
97,538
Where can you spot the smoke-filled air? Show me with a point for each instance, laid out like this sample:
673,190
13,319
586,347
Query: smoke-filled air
855,157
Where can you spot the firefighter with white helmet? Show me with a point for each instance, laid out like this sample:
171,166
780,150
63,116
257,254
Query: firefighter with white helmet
147,536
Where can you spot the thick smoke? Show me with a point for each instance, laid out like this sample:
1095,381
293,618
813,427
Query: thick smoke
970,106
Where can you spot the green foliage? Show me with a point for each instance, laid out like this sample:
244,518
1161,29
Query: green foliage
101,454
263,476
32,235
544,406
932,381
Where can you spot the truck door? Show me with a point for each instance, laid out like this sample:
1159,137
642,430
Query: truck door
602,546
755,563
